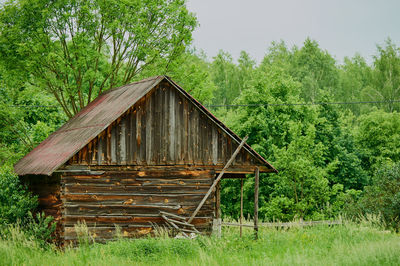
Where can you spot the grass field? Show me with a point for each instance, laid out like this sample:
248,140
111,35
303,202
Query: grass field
347,244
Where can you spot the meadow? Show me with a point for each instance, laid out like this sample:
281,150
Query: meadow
346,244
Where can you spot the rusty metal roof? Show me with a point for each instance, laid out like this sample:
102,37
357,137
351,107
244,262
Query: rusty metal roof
61,145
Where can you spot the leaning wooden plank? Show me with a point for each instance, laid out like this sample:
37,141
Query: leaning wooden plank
178,222
218,178
173,215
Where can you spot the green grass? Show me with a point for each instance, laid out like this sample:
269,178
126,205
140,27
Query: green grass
347,244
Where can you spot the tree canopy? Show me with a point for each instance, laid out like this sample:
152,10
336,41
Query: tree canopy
75,49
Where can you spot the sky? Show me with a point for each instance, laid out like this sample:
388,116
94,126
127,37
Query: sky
339,26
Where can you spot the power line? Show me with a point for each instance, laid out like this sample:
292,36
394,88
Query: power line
291,104
243,105
32,106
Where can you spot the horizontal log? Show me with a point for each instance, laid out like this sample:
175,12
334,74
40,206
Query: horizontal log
108,232
134,210
157,172
136,189
164,199
107,181
70,220
242,169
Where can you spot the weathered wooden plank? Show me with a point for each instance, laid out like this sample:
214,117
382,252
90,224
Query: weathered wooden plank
186,131
220,140
127,219
181,130
143,146
108,144
171,130
128,130
90,151
137,189
99,150
135,198
138,134
191,133
178,129
133,210
108,181
106,233
149,128
214,145
113,145
122,141
196,138
118,127
164,126
148,172
94,153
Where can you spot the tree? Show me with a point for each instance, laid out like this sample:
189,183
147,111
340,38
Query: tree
386,77
76,49
315,69
378,136
224,75
355,76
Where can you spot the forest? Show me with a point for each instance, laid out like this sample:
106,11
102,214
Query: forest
330,126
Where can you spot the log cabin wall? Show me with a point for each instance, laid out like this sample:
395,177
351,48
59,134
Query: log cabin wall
48,191
132,200
163,128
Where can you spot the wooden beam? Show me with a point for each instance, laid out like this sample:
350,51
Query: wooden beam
256,185
218,179
241,205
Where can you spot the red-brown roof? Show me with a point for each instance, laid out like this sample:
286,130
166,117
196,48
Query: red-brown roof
60,146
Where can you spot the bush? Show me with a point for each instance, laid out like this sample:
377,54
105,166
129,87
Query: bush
383,196
15,201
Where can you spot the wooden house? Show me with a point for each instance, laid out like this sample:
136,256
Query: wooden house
133,152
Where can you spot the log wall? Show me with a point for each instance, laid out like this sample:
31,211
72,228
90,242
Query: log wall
132,200
163,128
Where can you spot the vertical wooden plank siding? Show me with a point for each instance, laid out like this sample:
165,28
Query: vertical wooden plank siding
163,128
171,129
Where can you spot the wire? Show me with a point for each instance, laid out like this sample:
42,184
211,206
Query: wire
32,106
241,105
289,104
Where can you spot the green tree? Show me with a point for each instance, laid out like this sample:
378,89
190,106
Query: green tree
75,49
378,136
224,75
355,76
315,69
386,77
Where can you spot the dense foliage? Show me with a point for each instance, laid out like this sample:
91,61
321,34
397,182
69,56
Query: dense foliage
56,56
15,202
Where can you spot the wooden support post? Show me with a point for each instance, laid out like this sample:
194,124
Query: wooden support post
218,178
241,205
256,185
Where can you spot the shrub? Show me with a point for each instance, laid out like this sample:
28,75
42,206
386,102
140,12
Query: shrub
15,201
383,196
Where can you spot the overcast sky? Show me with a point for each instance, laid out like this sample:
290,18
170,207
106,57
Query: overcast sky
341,27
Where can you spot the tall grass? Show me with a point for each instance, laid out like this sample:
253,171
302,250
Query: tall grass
347,244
